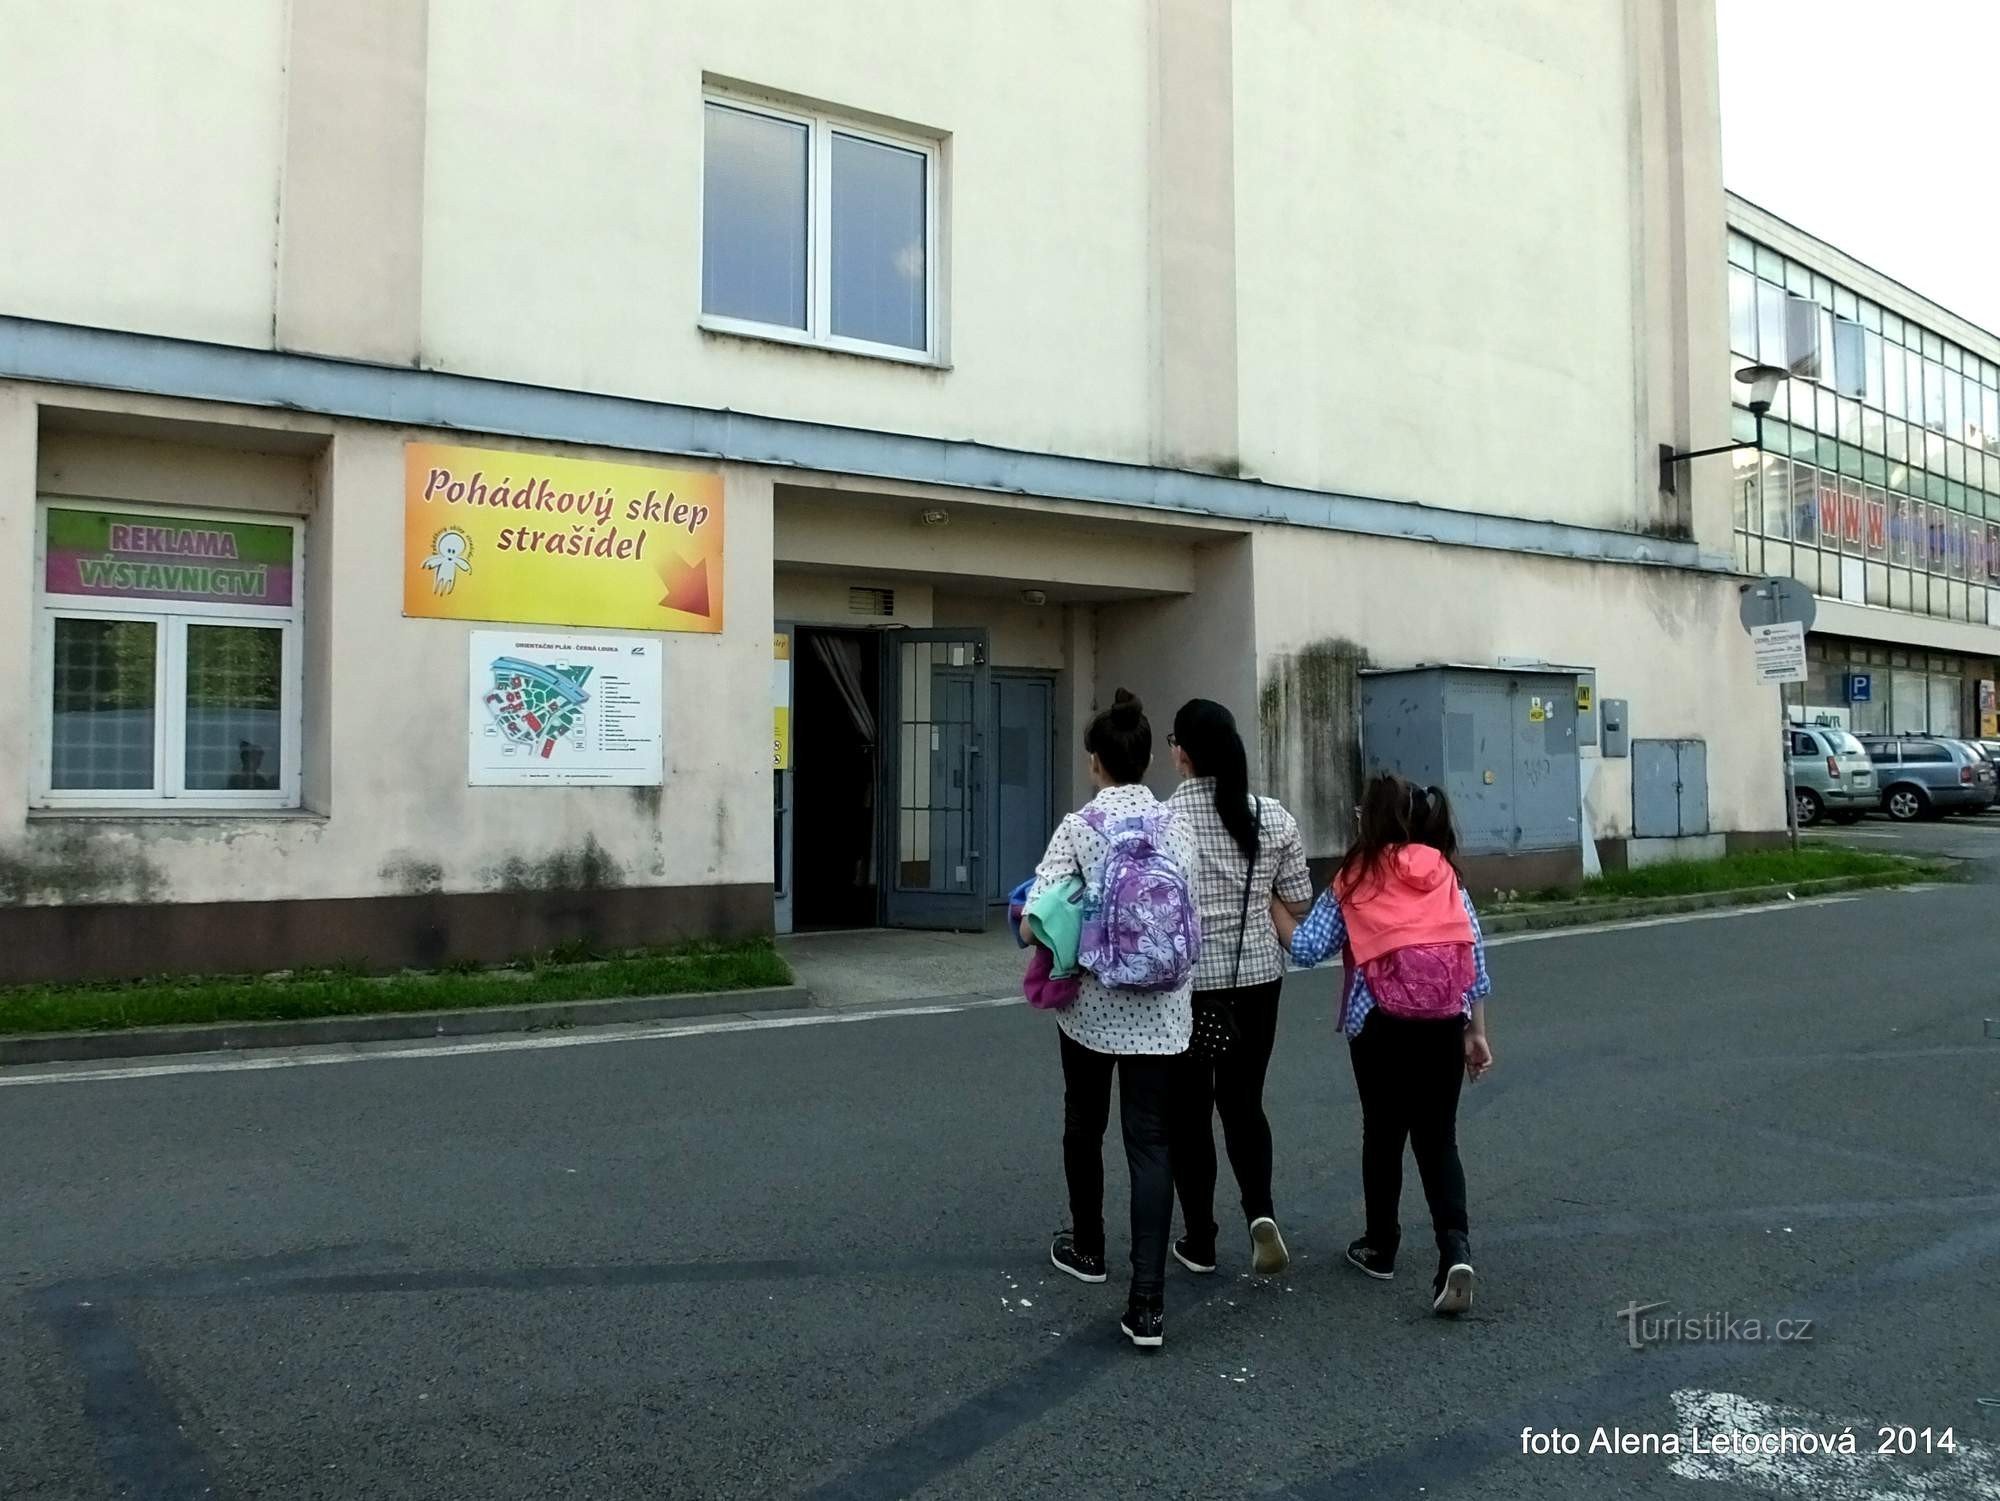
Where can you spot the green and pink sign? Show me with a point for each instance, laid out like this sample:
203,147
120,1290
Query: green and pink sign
110,555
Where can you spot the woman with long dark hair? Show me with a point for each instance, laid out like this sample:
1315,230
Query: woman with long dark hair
1414,1012
1251,854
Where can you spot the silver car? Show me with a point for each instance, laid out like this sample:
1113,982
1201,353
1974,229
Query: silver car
1831,774
1923,776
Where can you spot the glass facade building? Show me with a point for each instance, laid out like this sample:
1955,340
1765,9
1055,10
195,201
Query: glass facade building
1878,483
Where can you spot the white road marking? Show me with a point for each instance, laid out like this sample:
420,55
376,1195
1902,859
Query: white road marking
314,1057
538,1042
1672,919
1971,1474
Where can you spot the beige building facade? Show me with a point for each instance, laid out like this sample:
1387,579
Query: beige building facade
1203,349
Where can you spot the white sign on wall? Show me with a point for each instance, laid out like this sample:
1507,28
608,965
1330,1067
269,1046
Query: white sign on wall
550,708
1779,652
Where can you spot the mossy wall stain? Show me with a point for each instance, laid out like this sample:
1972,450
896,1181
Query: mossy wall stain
1309,735
411,875
587,867
75,866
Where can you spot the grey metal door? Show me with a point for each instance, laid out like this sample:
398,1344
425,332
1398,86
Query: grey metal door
1694,786
1022,809
1656,795
1479,757
936,700
1669,788
1545,773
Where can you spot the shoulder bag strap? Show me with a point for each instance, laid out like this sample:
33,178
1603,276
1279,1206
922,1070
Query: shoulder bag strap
1249,875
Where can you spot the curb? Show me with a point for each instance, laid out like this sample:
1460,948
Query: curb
390,1026
1519,921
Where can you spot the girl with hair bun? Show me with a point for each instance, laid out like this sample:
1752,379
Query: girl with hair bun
1133,1033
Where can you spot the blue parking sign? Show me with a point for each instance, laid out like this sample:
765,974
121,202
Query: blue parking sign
1860,687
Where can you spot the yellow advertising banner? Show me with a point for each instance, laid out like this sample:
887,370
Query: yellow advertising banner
490,534
781,702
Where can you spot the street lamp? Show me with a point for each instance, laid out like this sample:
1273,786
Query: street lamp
1763,381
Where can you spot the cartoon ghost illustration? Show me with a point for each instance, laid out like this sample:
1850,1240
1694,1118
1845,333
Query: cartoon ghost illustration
449,558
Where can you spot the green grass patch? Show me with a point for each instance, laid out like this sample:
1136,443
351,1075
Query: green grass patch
1748,871
569,975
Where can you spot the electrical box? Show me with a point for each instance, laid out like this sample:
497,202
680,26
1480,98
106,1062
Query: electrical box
1617,715
1501,743
1669,788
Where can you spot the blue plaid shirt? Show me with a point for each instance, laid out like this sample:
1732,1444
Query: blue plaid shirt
1324,932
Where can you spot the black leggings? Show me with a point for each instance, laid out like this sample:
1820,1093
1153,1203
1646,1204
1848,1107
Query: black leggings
1143,1084
1408,1073
1232,1087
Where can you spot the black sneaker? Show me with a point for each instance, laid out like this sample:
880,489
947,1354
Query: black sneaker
1366,1259
1079,1264
1195,1258
1451,1289
1145,1324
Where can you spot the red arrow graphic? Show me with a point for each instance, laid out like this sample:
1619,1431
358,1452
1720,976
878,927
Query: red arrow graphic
687,585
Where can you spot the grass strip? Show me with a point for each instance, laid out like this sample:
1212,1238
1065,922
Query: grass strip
1748,871
565,976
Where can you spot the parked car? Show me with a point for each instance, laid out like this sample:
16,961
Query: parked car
1988,770
1923,776
1831,774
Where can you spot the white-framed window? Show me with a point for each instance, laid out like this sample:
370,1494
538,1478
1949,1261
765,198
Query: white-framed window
167,657
818,231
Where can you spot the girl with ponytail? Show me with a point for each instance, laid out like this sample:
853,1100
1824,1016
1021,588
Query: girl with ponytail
1250,856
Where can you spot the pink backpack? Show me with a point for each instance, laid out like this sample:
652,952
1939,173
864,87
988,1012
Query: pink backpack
1424,982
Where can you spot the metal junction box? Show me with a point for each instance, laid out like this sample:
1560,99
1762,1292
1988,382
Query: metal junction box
1501,742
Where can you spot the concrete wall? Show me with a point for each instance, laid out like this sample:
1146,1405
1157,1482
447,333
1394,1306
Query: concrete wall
1434,252
1668,641
1200,645
1465,255
389,812
562,234
140,143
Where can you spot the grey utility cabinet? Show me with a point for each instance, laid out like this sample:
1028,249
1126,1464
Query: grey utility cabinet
1500,742
1669,788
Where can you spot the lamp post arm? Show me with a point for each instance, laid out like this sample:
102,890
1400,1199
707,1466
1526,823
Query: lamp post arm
1668,458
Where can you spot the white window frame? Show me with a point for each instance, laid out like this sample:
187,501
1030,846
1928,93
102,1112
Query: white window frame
170,619
818,333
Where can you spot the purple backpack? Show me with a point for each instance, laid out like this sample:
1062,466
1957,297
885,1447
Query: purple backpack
1142,930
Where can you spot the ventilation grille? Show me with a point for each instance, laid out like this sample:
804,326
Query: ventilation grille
877,602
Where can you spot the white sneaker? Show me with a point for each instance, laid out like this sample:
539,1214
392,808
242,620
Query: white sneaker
1268,1255
1454,1289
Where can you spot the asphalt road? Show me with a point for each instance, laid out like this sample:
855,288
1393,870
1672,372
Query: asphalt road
809,1260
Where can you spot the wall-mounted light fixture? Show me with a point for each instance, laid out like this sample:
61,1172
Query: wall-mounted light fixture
1763,381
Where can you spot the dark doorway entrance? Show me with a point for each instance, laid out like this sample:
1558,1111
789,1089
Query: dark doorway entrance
836,757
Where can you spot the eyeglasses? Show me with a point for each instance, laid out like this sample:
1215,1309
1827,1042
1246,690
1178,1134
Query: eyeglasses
1173,739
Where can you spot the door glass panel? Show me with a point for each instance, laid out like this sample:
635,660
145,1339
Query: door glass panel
935,808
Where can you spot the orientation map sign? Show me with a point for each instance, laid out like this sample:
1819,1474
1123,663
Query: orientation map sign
555,709
113,555
489,534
